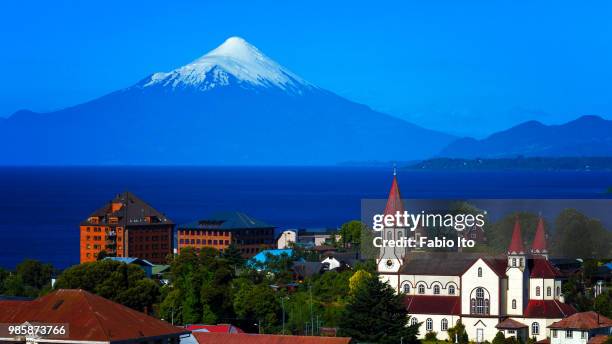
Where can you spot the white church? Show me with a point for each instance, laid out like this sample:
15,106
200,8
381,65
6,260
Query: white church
519,293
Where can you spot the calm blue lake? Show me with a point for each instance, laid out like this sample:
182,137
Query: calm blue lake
41,207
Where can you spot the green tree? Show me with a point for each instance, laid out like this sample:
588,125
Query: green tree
499,338
358,279
233,256
603,304
34,273
257,303
580,236
376,314
123,283
458,334
350,233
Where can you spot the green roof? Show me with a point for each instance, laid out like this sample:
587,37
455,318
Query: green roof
227,221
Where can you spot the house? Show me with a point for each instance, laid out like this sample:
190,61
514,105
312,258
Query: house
89,319
316,237
126,227
581,328
262,257
481,291
286,238
303,269
335,260
144,264
248,338
218,231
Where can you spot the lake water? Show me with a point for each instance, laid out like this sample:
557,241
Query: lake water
41,207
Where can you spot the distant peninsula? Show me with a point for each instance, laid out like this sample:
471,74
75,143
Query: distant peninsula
518,163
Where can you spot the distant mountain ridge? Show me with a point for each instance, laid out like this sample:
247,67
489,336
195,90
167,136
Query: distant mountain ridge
583,137
233,106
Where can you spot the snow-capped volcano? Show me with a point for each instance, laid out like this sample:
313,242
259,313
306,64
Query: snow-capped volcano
232,106
234,60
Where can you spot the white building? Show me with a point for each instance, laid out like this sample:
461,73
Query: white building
518,293
581,328
286,238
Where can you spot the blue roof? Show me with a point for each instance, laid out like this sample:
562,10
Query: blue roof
262,256
130,260
609,265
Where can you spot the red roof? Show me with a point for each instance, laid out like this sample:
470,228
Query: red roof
598,339
539,242
221,328
394,202
89,317
583,321
510,324
542,268
427,304
548,309
498,265
516,245
243,338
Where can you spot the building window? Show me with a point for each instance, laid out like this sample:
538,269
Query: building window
513,303
421,289
436,289
558,291
513,261
479,272
480,303
413,321
451,290
406,288
569,334
429,324
554,333
537,291
583,334
535,328
444,325
548,291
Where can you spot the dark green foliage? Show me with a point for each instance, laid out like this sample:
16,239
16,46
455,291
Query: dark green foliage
31,278
350,233
459,331
431,336
580,236
126,284
603,304
499,338
376,314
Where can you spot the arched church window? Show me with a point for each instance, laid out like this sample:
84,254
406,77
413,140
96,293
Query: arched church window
444,325
389,236
414,321
548,291
513,303
421,289
535,328
513,261
558,291
479,272
436,289
451,290
406,288
399,235
428,324
480,303
537,291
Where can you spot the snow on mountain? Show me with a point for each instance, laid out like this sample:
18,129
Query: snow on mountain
235,59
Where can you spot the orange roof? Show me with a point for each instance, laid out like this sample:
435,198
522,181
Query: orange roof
89,317
598,339
249,338
583,321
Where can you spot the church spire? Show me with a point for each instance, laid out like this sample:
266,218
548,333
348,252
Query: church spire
539,242
394,201
516,245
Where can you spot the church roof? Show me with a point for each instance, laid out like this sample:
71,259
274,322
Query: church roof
394,202
516,245
439,264
427,304
542,268
548,309
539,241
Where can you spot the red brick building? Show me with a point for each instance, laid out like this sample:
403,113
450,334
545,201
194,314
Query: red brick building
126,227
222,229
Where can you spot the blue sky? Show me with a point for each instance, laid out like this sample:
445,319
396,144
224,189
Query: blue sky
467,67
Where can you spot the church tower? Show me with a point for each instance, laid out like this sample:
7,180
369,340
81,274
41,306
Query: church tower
539,247
517,273
391,258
